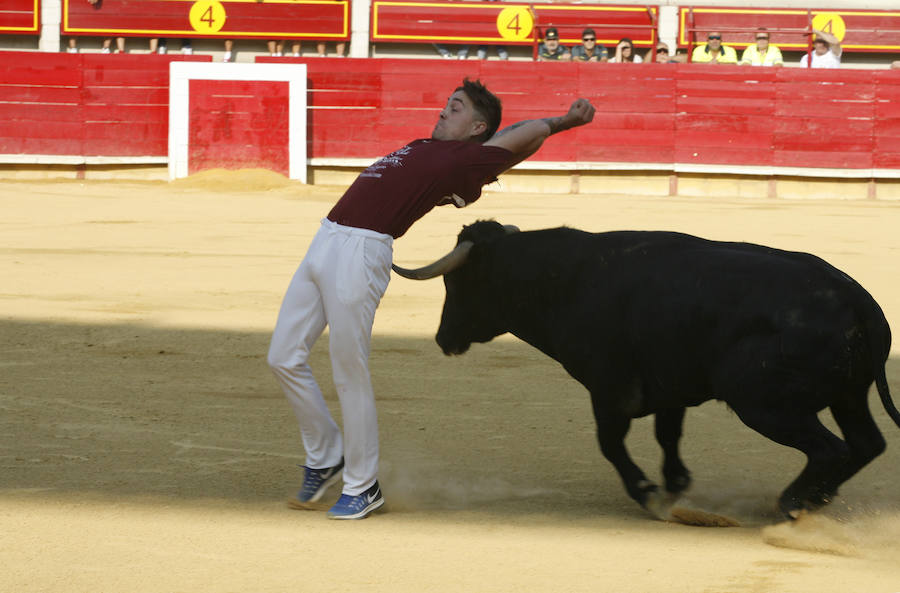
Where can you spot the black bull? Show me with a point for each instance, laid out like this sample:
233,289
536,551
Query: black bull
652,322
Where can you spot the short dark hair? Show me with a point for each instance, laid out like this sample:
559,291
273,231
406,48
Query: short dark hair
486,104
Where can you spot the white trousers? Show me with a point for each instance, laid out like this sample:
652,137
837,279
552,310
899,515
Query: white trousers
339,283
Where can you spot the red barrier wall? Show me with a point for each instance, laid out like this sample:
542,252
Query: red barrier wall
20,17
661,114
646,113
85,104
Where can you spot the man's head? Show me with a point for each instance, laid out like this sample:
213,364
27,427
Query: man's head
589,40
714,41
762,39
820,45
551,38
472,113
662,52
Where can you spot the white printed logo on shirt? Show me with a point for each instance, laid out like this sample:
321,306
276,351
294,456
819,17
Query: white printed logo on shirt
395,159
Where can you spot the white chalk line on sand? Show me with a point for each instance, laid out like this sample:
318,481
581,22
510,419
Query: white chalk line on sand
185,445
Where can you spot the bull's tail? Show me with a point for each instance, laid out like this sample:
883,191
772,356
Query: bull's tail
882,385
880,345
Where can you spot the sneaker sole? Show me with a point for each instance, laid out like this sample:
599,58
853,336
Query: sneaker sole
363,513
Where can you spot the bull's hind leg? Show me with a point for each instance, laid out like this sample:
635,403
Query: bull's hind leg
825,452
861,434
668,434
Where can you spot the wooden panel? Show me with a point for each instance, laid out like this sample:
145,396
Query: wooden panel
236,124
481,22
271,19
866,30
365,108
20,17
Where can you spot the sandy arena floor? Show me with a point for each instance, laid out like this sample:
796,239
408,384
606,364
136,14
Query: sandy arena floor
145,446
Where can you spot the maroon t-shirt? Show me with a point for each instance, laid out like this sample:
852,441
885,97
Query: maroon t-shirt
402,187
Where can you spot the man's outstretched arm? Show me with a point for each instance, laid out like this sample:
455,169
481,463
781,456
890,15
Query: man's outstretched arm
524,138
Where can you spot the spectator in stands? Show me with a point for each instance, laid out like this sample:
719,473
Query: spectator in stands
106,48
762,53
826,51
502,52
228,56
714,52
73,46
665,56
589,51
276,48
625,52
160,46
461,54
339,49
550,50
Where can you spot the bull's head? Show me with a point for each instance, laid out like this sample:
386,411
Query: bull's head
466,318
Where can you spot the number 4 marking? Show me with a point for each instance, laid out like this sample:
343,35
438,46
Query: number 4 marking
513,24
208,17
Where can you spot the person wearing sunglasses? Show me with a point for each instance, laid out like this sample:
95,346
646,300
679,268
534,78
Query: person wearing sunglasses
664,55
714,52
589,50
762,53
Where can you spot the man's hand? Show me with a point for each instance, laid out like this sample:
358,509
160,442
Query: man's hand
580,113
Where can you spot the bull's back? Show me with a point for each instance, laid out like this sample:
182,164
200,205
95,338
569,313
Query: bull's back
677,307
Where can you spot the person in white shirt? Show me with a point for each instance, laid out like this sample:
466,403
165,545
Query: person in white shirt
826,52
762,53
625,53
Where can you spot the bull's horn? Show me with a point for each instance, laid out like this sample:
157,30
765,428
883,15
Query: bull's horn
445,265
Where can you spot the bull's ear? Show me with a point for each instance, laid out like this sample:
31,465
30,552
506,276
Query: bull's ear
445,265
511,228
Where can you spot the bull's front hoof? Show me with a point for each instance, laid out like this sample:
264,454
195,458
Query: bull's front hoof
658,503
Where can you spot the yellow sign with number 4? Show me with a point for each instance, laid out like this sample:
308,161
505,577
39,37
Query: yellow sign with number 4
207,16
515,23
830,22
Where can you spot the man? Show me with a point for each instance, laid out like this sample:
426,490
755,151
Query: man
550,50
826,51
762,53
347,268
589,51
714,52
664,56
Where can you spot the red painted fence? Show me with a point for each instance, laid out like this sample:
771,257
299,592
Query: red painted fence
20,17
858,30
230,19
85,104
646,113
660,114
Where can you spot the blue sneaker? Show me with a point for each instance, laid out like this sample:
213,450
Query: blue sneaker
359,506
315,483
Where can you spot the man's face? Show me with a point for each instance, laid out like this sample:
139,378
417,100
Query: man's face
552,44
458,120
715,41
821,47
762,42
662,54
589,42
